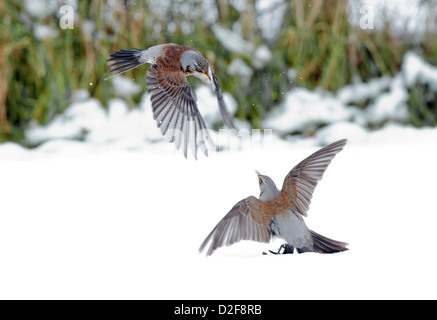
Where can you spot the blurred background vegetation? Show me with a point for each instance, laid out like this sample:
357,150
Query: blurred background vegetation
314,45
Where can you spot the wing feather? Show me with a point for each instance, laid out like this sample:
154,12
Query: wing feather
239,225
301,181
174,107
221,103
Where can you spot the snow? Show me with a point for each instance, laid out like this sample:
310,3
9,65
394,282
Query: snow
303,107
88,28
102,208
416,70
109,223
388,96
262,56
239,67
86,118
391,105
77,119
125,87
43,32
40,8
404,16
359,92
121,214
232,41
270,16
339,130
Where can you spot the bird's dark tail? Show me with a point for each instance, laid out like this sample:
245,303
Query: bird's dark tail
127,60
323,244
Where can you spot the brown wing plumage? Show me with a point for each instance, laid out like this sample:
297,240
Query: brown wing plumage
243,222
301,181
175,109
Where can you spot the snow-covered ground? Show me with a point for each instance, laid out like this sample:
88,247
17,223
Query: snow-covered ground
121,214
81,221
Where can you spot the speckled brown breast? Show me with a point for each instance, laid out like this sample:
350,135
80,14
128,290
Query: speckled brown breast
276,206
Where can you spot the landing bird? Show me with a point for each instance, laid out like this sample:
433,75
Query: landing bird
173,100
279,213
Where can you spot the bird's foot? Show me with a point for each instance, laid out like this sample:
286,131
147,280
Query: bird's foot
270,252
287,249
283,246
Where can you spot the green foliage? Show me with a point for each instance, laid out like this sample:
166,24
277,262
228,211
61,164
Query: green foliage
422,106
328,51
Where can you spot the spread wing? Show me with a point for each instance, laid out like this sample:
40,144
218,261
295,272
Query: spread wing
175,110
243,222
301,181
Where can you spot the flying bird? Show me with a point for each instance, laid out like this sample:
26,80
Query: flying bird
279,213
173,100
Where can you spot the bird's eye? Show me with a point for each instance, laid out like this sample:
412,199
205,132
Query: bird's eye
261,181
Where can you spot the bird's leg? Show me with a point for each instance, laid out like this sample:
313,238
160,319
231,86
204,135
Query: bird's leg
279,250
287,249
281,247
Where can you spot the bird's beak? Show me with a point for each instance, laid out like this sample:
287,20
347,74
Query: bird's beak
258,174
206,75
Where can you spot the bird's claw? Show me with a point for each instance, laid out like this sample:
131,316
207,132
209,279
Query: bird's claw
279,250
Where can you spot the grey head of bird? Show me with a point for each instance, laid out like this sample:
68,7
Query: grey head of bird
193,63
267,187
